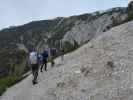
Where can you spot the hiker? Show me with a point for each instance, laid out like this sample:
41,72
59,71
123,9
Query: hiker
33,58
44,60
52,55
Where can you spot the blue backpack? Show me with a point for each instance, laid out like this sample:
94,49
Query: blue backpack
45,55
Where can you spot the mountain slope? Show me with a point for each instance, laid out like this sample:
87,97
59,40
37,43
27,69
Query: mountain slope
79,29
99,70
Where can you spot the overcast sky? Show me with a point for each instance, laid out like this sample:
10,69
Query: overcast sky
18,12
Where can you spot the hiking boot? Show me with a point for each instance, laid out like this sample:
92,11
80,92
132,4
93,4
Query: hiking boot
34,82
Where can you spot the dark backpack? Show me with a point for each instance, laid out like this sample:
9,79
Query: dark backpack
45,55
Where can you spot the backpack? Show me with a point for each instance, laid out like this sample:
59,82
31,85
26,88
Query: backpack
40,58
33,57
45,55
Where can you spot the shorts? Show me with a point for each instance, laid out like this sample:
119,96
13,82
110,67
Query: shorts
44,61
34,67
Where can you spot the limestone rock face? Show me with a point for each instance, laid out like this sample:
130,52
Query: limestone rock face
84,31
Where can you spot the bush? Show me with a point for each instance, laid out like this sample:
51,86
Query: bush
68,47
9,81
130,16
13,63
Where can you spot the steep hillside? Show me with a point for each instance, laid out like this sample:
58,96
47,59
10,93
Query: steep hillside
72,30
99,70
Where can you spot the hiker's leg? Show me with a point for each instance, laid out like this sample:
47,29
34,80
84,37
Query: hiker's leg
36,73
46,66
34,81
53,63
42,67
33,70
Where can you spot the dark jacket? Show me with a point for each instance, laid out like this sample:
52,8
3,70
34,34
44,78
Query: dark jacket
45,55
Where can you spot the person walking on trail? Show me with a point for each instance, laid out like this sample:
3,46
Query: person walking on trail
33,58
52,54
44,60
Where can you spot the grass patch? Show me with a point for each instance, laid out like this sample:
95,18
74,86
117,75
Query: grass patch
9,81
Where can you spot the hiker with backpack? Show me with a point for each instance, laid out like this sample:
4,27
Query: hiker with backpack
34,62
44,60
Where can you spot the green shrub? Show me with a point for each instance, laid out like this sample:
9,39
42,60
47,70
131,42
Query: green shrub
13,63
130,16
2,89
68,47
8,81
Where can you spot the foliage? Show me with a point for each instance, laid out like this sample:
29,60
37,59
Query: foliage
68,47
8,81
13,63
